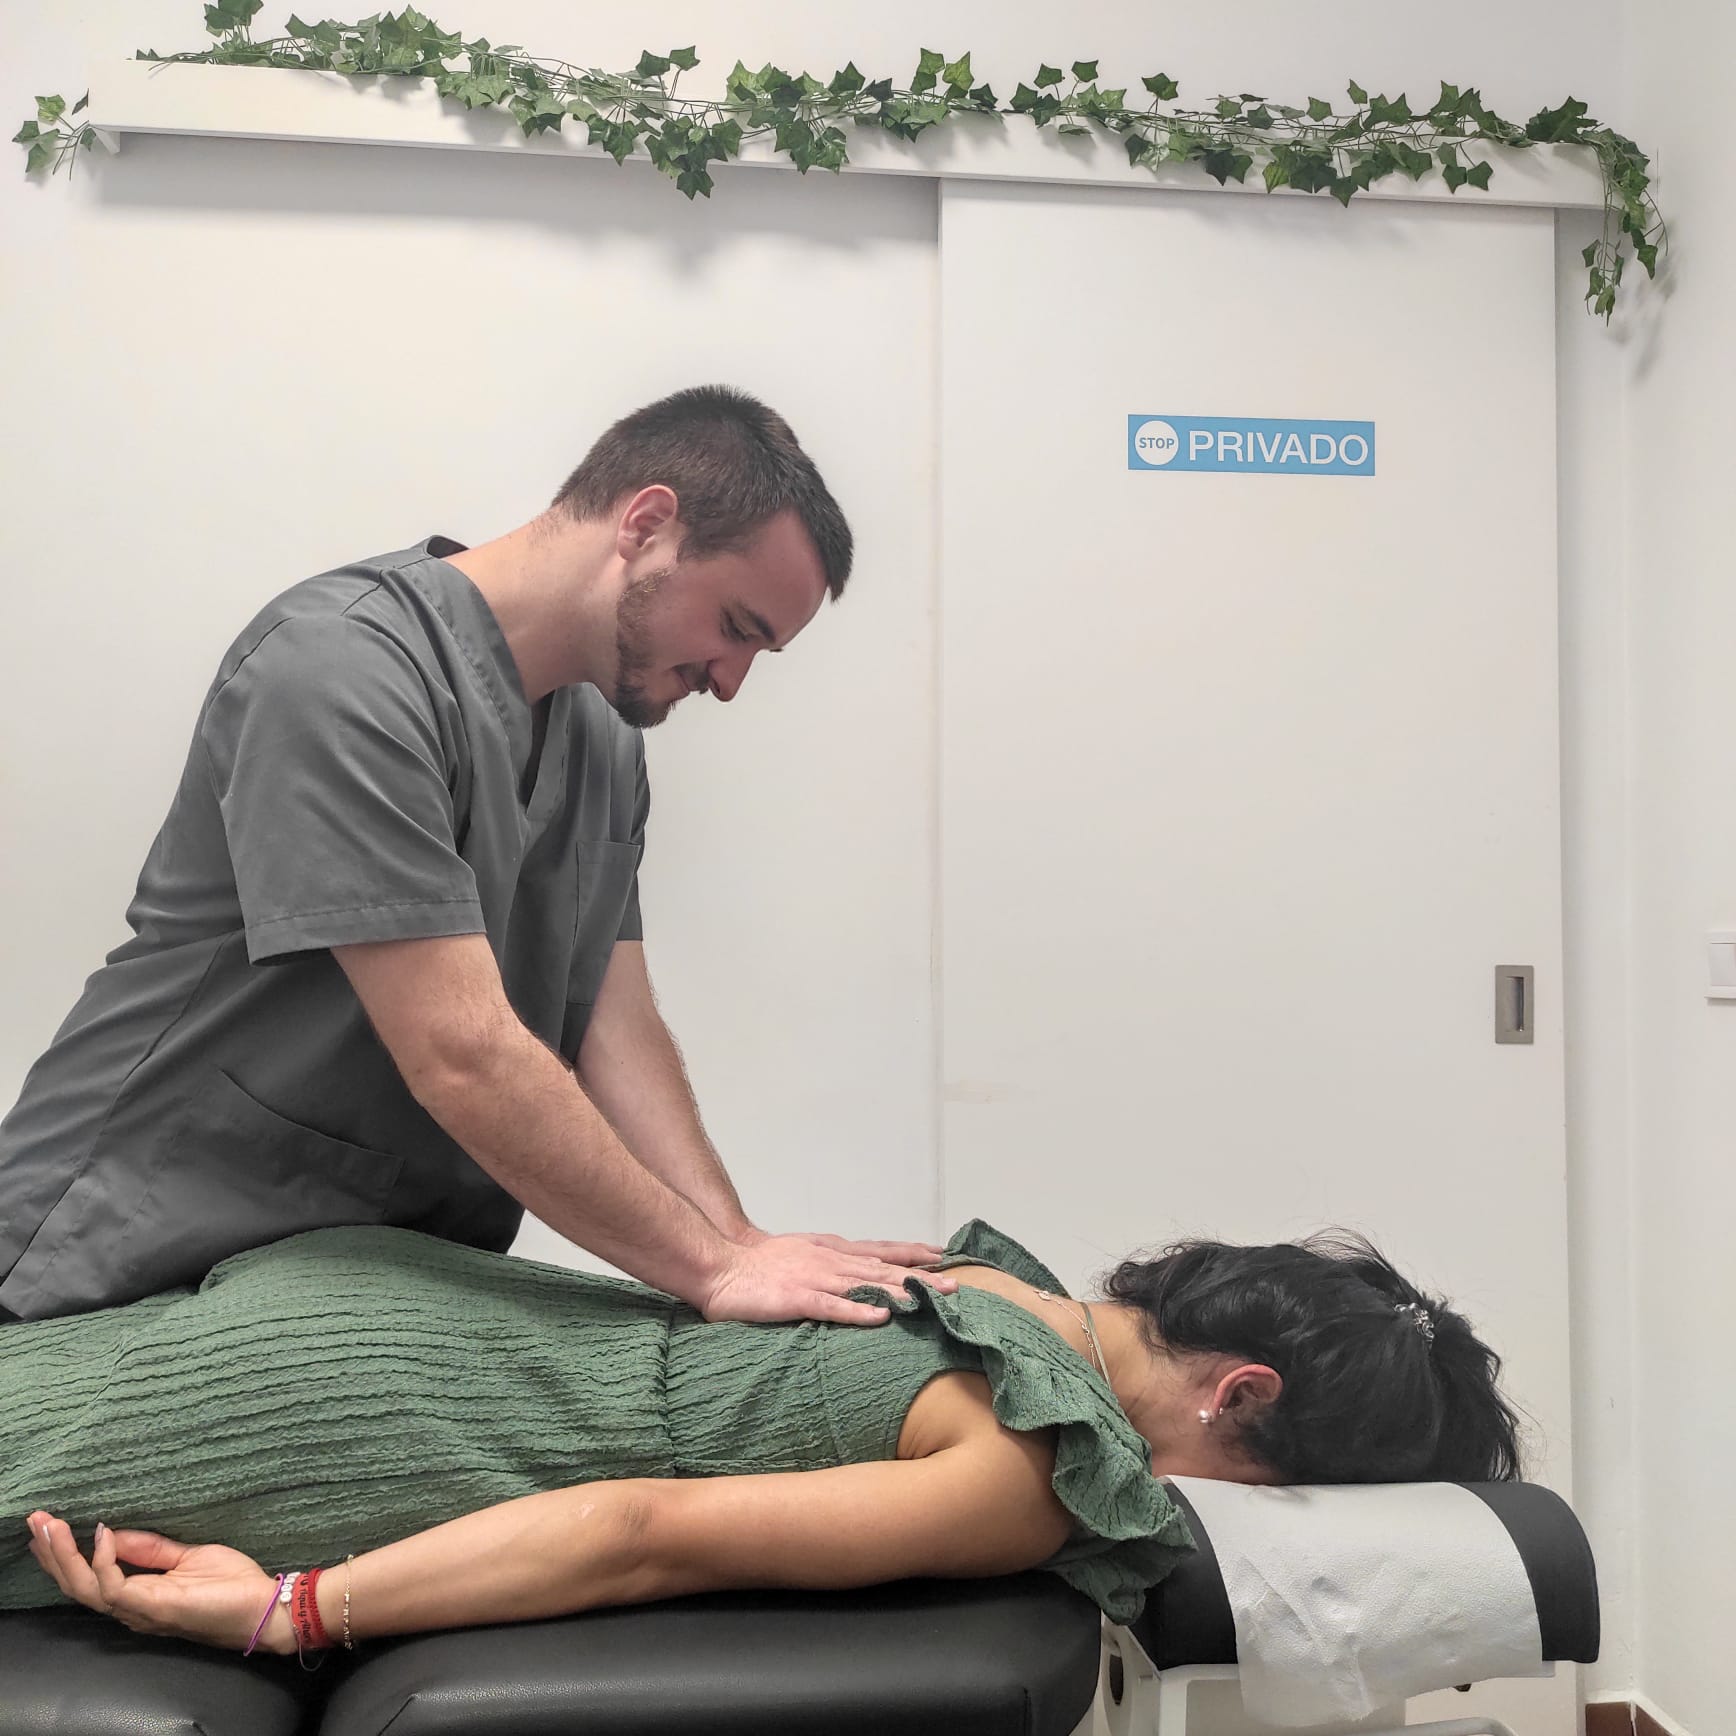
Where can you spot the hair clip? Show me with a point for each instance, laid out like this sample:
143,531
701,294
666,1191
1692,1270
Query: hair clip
1419,1316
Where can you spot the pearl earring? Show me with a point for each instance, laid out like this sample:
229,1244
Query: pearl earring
1207,1418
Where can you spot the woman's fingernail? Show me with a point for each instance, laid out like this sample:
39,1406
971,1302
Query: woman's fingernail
101,1531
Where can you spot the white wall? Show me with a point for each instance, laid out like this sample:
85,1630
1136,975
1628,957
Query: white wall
1682,613
1596,940
160,428
256,360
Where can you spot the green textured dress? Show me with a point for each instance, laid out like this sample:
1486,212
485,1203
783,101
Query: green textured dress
343,1388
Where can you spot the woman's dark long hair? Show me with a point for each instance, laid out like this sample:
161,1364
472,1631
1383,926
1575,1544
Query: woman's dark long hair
1368,1397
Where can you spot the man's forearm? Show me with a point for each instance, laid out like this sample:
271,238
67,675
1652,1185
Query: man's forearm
631,1068
520,1112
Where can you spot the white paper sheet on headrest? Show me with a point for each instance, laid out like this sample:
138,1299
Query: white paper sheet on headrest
1351,1598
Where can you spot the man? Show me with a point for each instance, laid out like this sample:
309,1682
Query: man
387,960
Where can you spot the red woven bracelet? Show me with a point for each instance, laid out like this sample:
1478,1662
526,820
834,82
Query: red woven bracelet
310,1631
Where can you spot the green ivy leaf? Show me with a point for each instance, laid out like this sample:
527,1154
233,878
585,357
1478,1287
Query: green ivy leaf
1040,107
1479,176
1226,164
684,58
651,65
541,113
846,82
1275,174
1073,130
956,73
1415,162
1181,143
1318,110
1343,188
26,133
1647,254
1260,117
1550,126
1228,108
1085,70
1138,147
42,154
832,154
780,88
1447,156
1161,86
1357,94
1311,171
1048,75
1454,176
49,109
227,15
927,70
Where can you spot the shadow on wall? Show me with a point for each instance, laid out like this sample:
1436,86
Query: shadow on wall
572,197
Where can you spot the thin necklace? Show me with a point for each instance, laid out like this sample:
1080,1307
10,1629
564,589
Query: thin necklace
1085,1321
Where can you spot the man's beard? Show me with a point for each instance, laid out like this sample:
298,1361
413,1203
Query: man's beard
632,655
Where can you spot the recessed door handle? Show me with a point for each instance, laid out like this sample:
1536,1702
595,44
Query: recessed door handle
1515,991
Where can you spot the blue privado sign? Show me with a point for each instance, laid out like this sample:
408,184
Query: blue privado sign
1249,446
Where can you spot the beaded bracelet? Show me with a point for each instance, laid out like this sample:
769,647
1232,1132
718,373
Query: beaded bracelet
300,1591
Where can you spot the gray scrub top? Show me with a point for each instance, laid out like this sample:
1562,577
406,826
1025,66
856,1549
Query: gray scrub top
360,772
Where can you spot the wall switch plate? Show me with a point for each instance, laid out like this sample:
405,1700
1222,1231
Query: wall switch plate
1721,965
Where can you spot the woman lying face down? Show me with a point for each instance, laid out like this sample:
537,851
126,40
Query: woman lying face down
467,1438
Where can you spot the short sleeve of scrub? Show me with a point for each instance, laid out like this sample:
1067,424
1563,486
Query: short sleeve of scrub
328,767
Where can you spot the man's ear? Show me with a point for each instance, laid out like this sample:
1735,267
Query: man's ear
651,512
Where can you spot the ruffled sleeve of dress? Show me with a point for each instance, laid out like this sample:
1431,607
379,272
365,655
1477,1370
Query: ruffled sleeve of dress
1128,1533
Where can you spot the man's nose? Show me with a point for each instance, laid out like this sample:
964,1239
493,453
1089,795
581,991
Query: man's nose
728,673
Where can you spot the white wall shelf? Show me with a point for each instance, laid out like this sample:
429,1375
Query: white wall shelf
240,102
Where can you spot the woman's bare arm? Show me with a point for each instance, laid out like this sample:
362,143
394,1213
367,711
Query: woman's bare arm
981,1506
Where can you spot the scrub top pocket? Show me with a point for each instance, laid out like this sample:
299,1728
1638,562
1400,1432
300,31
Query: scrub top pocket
278,1178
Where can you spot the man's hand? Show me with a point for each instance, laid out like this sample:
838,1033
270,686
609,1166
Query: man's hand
805,1277
898,1253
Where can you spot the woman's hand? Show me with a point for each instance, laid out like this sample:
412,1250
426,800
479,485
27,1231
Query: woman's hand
194,1591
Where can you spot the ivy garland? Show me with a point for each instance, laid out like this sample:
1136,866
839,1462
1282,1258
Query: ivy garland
1317,149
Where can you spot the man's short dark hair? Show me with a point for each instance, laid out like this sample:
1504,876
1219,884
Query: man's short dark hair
733,464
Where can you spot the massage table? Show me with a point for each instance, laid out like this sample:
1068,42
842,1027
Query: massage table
1024,1654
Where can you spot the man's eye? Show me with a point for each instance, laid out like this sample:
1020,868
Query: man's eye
732,631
